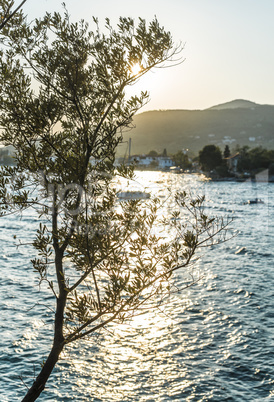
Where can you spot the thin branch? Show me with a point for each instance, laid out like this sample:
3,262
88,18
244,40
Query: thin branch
40,304
23,382
78,335
121,309
6,19
71,337
91,263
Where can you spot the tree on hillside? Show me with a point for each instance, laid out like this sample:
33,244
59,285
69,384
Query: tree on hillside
210,157
63,107
227,152
255,159
153,153
181,160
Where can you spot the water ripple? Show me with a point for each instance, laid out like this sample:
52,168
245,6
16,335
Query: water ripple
213,342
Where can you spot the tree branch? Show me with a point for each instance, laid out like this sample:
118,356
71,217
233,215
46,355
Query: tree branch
6,19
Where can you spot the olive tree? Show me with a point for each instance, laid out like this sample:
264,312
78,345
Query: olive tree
63,106
7,12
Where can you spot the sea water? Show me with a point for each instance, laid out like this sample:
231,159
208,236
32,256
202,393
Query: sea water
211,342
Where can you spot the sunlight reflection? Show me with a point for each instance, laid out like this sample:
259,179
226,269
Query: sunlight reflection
29,336
161,351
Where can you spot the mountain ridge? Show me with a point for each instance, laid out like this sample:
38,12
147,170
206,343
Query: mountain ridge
236,122
235,104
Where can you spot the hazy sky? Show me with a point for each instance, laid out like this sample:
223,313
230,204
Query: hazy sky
229,51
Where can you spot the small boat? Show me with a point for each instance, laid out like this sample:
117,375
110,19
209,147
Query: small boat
133,195
255,201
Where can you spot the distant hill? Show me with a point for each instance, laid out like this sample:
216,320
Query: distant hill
235,104
238,122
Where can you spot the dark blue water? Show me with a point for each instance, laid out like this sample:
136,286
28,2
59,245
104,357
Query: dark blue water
212,342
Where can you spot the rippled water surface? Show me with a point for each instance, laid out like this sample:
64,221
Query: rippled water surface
212,342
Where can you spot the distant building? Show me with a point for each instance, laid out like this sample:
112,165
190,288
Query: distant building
232,162
165,162
143,160
162,162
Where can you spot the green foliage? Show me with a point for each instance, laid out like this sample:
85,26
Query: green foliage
251,160
255,159
222,170
153,153
181,159
8,14
227,152
210,157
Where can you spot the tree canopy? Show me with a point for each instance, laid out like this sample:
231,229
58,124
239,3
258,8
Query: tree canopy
153,153
181,159
210,157
7,12
254,159
227,152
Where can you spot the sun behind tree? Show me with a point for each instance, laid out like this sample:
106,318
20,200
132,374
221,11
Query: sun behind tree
136,69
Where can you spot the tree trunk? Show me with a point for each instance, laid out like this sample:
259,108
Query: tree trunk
58,343
40,382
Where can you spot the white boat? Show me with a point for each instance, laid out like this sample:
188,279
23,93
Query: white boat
133,195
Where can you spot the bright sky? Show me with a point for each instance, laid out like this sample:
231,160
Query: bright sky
228,47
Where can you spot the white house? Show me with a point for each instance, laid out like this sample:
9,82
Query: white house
165,162
162,162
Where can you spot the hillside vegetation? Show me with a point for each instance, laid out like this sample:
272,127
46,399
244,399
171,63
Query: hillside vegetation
237,122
